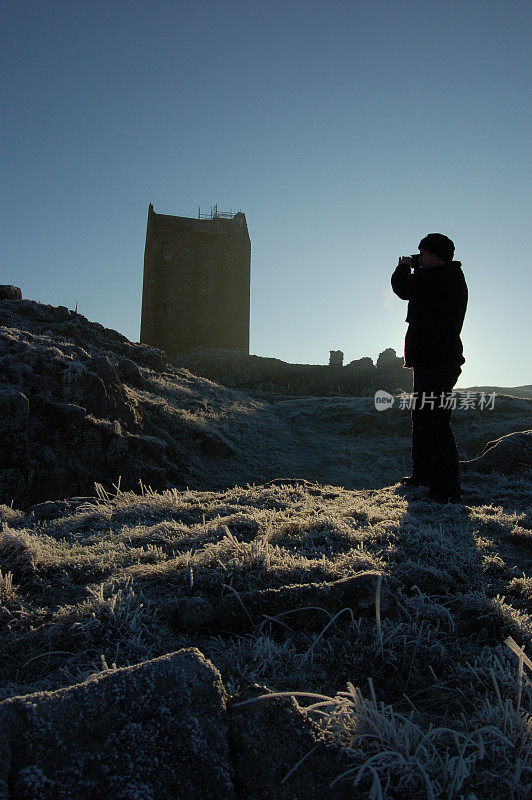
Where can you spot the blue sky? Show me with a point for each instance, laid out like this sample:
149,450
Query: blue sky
345,131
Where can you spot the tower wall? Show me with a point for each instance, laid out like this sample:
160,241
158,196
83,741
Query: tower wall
196,283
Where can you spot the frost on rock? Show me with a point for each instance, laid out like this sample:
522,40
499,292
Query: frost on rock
153,730
508,454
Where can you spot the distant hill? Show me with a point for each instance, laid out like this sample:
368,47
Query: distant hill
511,391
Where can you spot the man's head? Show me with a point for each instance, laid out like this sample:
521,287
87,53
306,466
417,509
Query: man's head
436,249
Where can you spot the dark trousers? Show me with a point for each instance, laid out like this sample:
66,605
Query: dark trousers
434,453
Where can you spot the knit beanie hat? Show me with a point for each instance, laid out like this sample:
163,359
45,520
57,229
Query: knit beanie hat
439,245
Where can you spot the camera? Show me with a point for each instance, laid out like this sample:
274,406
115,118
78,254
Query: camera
411,261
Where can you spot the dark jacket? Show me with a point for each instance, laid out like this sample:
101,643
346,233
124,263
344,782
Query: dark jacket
437,304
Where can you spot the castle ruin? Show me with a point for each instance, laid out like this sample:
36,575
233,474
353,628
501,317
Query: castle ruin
196,283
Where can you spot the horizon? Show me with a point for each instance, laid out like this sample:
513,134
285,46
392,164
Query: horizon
341,132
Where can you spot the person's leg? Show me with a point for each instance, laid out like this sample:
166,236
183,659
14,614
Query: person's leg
421,462
434,384
445,478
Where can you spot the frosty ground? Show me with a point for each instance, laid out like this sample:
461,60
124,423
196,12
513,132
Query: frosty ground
280,544
92,585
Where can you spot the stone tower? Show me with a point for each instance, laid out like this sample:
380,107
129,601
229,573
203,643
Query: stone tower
196,284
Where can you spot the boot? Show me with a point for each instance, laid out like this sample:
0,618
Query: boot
413,480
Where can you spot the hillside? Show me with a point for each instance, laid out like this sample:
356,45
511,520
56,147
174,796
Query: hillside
275,552
81,404
512,391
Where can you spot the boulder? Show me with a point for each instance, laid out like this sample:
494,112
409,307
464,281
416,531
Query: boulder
130,372
96,386
10,292
157,731
87,389
147,356
269,738
508,454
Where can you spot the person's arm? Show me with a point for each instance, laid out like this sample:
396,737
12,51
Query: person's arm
403,282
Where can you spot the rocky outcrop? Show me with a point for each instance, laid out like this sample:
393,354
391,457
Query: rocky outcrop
508,454
64,424
10,292
76,409
163,729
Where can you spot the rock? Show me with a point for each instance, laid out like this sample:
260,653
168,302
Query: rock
102,367
13,488
388,358
67,420
68,413
312,603
14,452
105,370
153,731
51,509
119,406
269,738
87,389
150,357
63,313
16,555
130,372
14,410
10,292
55,480
508,454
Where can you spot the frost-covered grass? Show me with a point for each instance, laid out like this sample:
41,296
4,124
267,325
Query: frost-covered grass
422,675
436,704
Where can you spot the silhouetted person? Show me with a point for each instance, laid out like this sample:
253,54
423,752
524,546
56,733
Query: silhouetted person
437,293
